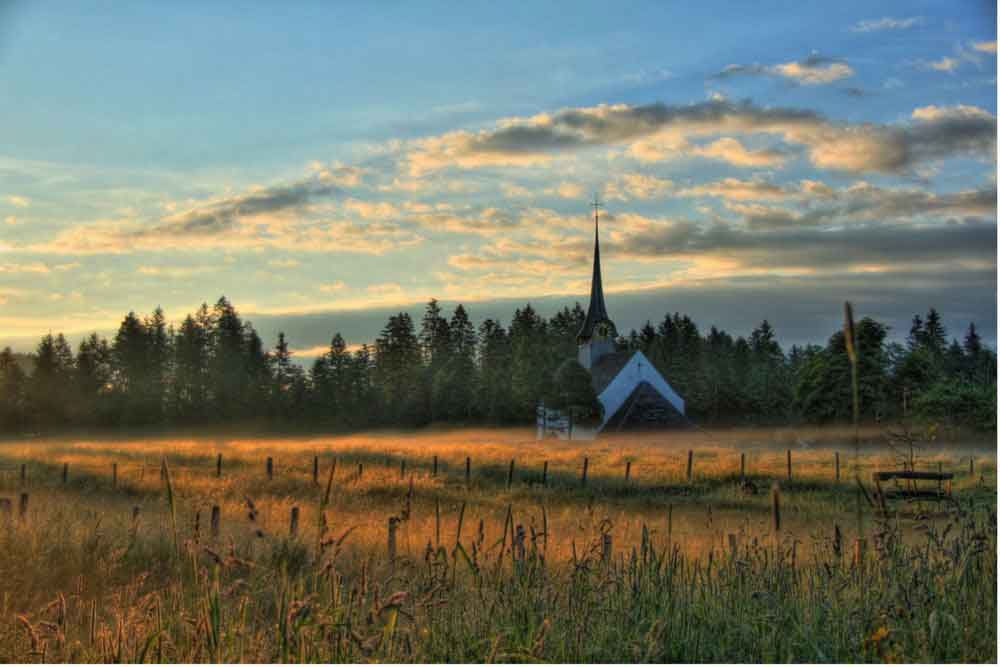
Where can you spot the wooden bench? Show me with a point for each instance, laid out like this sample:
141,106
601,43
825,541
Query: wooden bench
914,476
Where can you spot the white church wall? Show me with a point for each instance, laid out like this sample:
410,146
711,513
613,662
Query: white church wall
637,370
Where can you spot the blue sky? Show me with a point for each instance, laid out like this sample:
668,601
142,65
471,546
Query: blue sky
321,163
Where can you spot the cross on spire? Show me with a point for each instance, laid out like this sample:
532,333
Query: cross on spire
597,205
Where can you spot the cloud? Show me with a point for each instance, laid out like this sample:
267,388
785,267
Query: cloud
329,288
309,236
734,188
174,272
971,244
731,151
514,191
658,132
887,23
287,263
813,71
637,186
566,190
32,267
985,47
946,64
18,201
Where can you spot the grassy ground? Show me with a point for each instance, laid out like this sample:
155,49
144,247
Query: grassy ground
655,568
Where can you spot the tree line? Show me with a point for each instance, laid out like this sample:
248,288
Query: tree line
213,368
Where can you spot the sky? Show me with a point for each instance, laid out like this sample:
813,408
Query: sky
325,164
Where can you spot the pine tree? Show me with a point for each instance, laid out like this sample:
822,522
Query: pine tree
13,392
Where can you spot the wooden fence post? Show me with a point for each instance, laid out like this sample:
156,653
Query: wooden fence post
468,470
65,473
690,471
776,508
972,466
361,470
215,521
545,474
583,476
836,465
218,465
315,469
114,475
270,468
434,470
293,528
402,468
670,524
393,525
788,454
606,549
510,474
628,471
437,523
22,508
743,465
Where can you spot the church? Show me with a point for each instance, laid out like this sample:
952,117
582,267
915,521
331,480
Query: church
630,390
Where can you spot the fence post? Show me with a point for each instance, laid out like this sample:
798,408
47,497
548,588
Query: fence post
939,478
434,470
468,470
583,476
361,470
628,471
114,475
402,468
215,521
270,468
293,528
24,474
437,523
972,464
836,464
690,464
670,524
218,465
776,508
545,474
65,474
510,474
743,465
315,469
393,525
788,454
22,508
606,549
859,552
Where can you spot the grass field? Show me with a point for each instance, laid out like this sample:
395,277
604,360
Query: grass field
392,562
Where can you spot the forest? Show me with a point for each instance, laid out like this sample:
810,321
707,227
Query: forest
213,368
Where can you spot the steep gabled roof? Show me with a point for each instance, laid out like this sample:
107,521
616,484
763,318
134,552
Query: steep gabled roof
607,369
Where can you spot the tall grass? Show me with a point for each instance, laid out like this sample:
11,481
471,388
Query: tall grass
655,570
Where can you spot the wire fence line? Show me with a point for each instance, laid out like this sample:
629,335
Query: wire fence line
776,466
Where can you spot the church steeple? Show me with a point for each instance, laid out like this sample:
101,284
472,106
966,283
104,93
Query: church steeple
597,311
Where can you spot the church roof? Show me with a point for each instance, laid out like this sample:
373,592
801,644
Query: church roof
596,312
607,369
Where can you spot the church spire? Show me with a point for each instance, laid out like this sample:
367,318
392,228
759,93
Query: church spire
597,312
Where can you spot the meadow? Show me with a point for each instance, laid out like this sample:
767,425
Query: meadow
649,547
